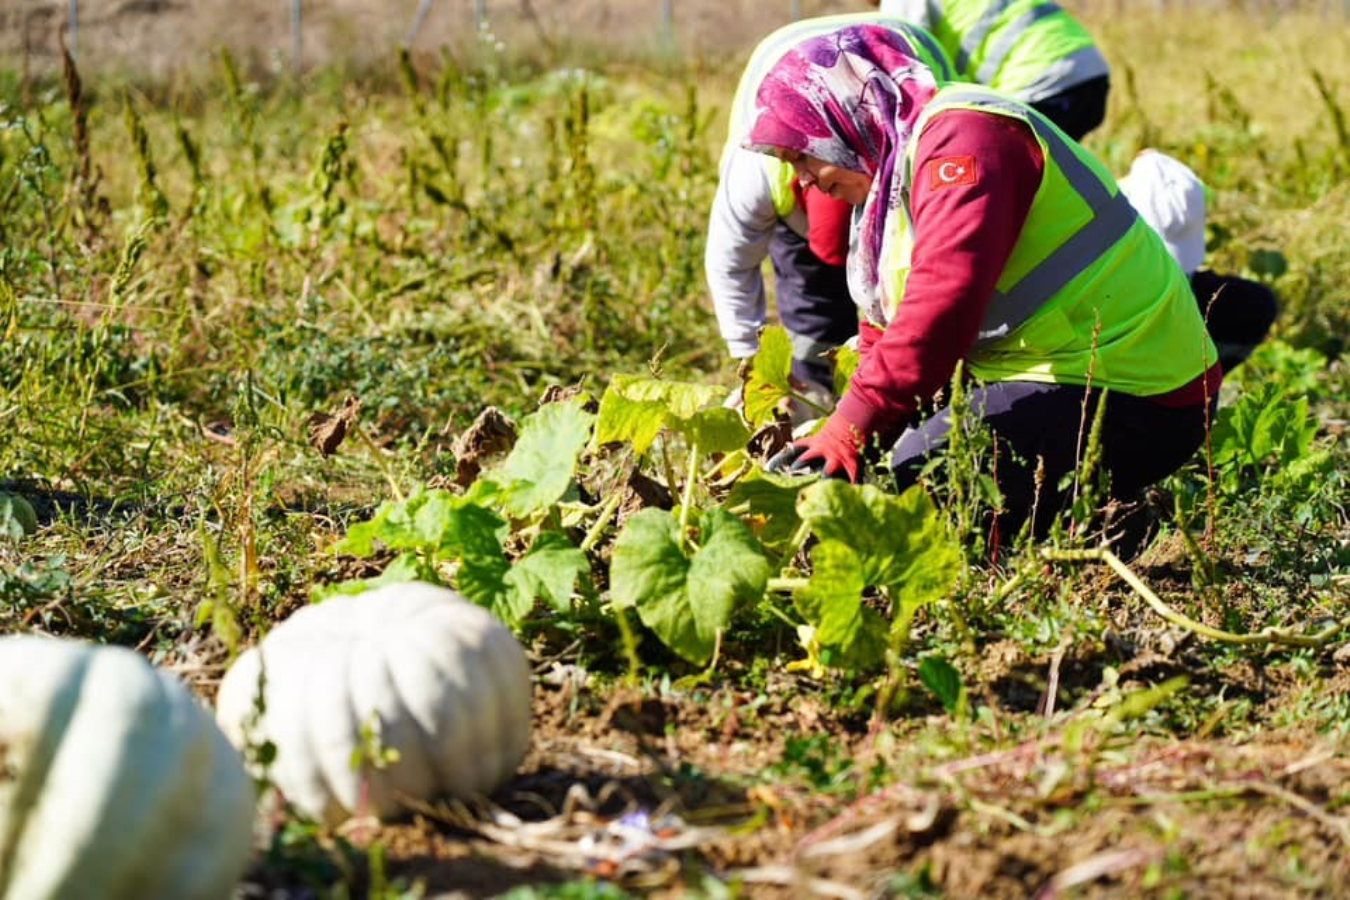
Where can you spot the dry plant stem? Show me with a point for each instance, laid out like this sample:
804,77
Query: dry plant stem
1280,636
1202,562
380,461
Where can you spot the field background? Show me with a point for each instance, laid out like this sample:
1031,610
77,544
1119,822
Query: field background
203,253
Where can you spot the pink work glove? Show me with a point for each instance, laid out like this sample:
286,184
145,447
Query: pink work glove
835,451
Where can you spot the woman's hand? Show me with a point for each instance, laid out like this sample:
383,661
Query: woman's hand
835,452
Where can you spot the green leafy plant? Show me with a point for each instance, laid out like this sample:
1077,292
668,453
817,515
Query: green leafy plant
868,539
1265,431
687,587
17,518
446,538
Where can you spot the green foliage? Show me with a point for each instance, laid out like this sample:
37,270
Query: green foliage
1300,371
941,677
635,410
817,759
549,570
768,382
571,890
33,583
768,504
540,467
849,633
433,529
871,539
1265,428
17,518
687,588
845,361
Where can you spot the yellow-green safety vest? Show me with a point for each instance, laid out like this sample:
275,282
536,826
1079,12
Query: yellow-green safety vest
1089,293
781,175
1006,44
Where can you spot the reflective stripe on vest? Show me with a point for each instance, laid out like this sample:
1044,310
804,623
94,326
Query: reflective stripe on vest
1089,293
933,55
1008,38
1111,218
971,41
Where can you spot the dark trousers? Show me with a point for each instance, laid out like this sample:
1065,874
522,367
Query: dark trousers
1238,313
1079,109
1047,425
813,301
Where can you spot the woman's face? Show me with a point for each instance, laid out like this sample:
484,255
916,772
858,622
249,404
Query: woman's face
841,184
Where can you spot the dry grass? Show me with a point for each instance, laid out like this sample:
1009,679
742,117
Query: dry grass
162,37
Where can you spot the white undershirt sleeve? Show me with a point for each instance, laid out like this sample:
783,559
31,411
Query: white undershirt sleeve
740,227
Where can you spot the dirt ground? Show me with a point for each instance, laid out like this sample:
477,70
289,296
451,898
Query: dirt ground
1175,818
655,790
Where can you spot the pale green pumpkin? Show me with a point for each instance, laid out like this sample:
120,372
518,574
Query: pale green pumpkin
114,782
408,690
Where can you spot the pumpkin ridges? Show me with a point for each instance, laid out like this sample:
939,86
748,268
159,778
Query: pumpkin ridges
518,716
423,657
193,875
330,725
121,799
32,759
416,740
187,794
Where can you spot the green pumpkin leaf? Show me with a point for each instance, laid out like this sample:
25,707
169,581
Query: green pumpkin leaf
482,578
622,419
770,370
635,409
548,571
900,541
681,398
539,469
685,600
767,503
846,361
714,430
832,601
388,524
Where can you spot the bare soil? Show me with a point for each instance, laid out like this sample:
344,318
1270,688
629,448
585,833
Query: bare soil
717,781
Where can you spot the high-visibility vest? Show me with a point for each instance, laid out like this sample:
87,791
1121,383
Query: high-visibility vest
1089,294
923,46
1008,45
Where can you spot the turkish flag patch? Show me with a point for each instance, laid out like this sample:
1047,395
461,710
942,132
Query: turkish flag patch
951,171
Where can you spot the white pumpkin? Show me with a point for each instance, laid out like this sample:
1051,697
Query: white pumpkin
114,782
441,682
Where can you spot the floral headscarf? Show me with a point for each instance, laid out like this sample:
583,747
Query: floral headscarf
850,98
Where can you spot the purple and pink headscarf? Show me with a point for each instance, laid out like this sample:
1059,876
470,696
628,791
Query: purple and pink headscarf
851,98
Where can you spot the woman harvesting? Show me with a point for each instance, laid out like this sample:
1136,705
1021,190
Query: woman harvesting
985,236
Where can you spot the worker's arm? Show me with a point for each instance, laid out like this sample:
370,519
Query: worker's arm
975,176
740,227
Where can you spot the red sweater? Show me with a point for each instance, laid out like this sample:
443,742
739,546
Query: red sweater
976,175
